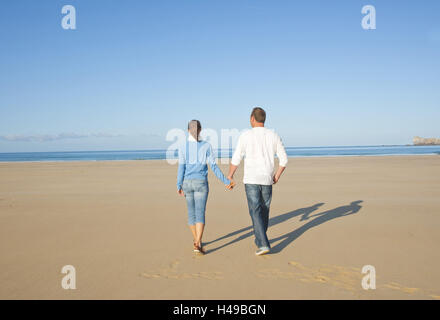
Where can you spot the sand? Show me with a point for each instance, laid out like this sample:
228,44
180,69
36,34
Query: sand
123,227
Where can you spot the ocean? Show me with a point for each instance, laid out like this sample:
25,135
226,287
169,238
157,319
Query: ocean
161,154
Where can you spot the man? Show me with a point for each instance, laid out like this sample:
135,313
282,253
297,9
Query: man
259,146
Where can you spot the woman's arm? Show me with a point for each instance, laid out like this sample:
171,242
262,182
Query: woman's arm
218,173
180,175
180,170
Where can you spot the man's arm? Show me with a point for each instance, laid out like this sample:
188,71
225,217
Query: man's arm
236,158
278,174
282,157
232,170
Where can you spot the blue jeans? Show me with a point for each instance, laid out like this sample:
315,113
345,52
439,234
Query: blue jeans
259,198
196,194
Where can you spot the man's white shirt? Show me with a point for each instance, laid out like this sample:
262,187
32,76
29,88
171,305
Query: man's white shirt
259,146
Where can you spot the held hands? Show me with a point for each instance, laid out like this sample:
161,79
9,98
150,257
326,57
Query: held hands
231,185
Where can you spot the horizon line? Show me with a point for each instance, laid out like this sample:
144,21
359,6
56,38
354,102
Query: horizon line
219,149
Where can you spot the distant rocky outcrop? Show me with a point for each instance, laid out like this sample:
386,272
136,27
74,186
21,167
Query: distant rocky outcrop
418,141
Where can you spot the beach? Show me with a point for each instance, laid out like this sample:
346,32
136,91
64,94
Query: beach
123,227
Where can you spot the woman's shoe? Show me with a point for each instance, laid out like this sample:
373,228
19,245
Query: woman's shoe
201,250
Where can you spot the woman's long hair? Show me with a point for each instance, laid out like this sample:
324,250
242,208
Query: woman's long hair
194,128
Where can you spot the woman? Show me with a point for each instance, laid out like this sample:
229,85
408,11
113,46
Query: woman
192,180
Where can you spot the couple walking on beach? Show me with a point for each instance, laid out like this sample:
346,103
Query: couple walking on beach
258,146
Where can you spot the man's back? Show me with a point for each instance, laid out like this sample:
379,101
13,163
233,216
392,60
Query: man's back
259,146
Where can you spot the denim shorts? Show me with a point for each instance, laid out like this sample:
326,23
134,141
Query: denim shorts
196,194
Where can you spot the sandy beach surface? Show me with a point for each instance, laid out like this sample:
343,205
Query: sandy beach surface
123,227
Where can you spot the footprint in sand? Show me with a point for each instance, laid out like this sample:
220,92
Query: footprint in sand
398,287
174,264
348,278
341,277
274,273
172,273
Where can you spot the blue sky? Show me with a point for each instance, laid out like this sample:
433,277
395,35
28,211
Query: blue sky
132,70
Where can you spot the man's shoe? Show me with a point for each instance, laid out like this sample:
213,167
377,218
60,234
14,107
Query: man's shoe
262,251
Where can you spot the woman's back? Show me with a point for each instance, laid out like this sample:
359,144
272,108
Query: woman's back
194,157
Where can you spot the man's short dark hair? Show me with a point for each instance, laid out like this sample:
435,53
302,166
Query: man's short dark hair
259,114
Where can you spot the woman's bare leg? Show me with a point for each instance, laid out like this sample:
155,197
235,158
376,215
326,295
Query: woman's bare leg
199,233
194,232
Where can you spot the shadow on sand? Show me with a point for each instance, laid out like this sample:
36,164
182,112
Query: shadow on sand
289,237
